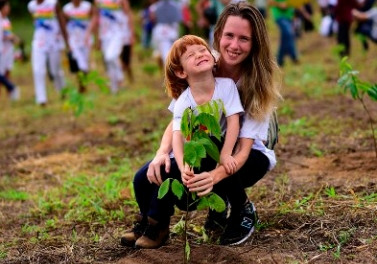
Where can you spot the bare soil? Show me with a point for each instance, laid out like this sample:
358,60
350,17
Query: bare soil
313,235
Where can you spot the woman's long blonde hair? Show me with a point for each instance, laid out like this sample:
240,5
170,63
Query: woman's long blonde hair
259,93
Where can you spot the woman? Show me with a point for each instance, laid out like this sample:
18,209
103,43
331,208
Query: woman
242,40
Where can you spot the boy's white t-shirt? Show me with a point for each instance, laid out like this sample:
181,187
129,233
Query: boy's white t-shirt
252,129
79,19
225,90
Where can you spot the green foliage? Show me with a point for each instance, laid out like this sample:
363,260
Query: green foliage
76,101
350,81
3,254
14,195
197,125
330,192
212,201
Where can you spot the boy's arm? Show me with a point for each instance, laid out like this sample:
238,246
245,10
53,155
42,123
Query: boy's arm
232,131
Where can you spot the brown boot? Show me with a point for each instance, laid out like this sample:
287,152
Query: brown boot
130,237
154,236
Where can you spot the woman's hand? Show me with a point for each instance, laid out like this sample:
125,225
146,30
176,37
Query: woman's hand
154,168
230,164
201,183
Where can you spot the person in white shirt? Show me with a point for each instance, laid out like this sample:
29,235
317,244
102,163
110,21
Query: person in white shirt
48,42
6,51
109,17
78,14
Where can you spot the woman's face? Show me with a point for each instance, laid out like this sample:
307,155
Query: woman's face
235,41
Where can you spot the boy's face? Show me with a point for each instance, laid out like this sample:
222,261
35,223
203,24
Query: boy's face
196,59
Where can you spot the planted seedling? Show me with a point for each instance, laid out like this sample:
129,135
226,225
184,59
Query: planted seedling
350,81
198,126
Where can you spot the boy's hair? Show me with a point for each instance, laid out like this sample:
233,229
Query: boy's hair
3,3
175,85
258,92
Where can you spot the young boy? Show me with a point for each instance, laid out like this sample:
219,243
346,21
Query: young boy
190,80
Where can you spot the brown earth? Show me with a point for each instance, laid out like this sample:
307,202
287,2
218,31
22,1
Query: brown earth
339,229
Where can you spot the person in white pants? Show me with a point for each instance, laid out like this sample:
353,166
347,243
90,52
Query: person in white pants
166,15
108,16
47,44
78,14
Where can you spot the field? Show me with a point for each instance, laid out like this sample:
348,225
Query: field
66,181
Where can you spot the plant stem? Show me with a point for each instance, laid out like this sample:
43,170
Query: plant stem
370,119
185,260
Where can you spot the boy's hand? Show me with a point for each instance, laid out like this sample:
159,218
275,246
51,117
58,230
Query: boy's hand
186,174
229,163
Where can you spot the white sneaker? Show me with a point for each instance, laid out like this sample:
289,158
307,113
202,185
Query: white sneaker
15,94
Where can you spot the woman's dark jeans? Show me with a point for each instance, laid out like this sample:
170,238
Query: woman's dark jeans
231,188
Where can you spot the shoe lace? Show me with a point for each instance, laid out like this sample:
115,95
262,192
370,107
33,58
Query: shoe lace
139,228
151,232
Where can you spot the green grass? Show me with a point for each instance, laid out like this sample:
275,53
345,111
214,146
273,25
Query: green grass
14,195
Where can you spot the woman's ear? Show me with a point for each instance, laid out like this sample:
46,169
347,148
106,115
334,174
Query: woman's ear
180,74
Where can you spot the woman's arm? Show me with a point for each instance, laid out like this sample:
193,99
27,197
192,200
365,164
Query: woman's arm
203,182
162,157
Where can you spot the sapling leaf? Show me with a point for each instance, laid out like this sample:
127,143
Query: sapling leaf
189,153
164,188
363,86
203,203
193,153
343,80
353,89
211,123
185,122
372,92
216,202
210,148
177,188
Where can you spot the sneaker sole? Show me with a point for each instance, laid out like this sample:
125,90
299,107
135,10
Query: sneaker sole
243,239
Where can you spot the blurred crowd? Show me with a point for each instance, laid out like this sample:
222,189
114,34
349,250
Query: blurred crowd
109,26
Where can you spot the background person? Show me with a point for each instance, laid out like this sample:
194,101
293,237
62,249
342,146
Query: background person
48,42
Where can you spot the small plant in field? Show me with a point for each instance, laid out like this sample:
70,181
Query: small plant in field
76,101
3,254
350,81
197,125
330,192
14,195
